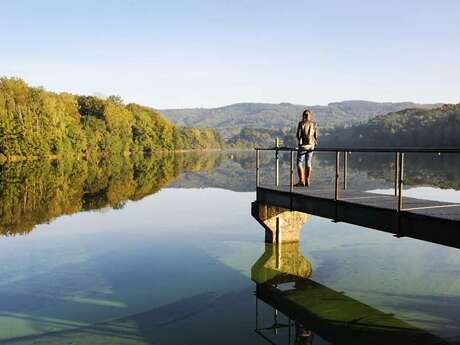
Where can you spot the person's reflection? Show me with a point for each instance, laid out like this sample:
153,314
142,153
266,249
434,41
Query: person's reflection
303,336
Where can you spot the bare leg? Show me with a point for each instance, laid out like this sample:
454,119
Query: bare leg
301,173
308,173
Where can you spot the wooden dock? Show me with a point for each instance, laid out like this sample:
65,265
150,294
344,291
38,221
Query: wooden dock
433,221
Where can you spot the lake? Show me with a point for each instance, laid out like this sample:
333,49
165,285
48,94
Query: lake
163,250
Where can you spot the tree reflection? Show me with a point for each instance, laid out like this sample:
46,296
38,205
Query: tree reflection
35,192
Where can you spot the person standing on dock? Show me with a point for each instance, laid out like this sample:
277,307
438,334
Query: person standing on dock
307,138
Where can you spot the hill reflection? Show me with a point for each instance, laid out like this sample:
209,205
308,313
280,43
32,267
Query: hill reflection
365,171
36,192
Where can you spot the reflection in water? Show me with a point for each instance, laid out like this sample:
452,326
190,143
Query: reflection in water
281,264
303,336
133,276
117,276
421,169
36,192
112,266
365,171
283,281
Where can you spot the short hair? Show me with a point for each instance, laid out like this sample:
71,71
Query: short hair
306,112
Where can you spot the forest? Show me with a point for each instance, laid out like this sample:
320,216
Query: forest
37,123
231,120
439,127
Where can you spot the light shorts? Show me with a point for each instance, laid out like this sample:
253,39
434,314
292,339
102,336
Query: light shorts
303,156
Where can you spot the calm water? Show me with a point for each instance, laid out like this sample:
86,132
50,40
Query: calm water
161,250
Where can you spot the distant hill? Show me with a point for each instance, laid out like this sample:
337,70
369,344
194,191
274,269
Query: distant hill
231,119
438,127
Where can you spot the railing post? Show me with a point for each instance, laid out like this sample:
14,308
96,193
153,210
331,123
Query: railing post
289,331
337,172
257,168
291,179
277,167
401,181
257,311
396,172
275,321
345,170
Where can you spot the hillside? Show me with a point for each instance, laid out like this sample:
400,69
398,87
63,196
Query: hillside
439,127
231,119
38,123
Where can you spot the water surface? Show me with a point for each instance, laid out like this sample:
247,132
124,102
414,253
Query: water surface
160,250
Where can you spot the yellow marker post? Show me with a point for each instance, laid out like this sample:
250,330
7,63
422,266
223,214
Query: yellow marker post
277,161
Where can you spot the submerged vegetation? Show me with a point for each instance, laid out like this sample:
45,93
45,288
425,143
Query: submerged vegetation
39,123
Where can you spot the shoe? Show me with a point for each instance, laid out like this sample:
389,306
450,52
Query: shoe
299,185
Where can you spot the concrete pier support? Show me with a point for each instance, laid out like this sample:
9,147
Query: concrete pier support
281,225
281,263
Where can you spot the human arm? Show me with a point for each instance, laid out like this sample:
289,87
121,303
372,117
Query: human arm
298,133
316,134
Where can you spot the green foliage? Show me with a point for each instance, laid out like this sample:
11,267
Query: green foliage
231,120
91,106
256,137
200,138
150,130
34,192
439,127
38,123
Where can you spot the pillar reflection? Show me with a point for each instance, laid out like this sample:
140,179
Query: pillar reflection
281,266
303,311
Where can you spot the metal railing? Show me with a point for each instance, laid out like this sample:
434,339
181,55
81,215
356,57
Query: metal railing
399,164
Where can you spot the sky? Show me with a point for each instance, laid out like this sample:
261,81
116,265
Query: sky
207,53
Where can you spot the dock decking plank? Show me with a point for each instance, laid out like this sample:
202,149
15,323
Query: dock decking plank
431,207
429,220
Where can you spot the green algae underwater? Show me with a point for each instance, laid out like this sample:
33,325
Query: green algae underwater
163,250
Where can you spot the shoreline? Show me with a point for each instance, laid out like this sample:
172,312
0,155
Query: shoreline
16,159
